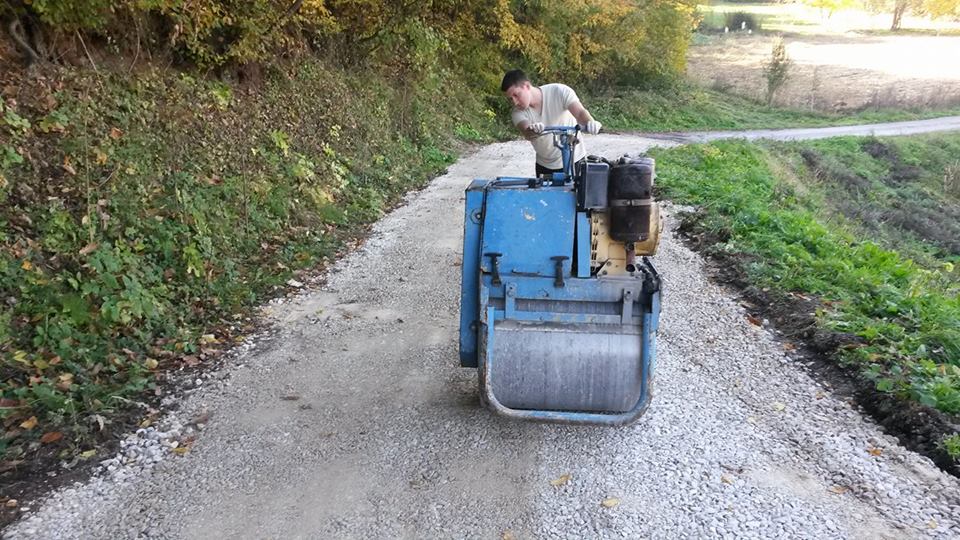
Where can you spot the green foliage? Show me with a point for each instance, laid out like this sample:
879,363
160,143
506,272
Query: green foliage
741,20
679,107
906,314
587,40
777,68
831,6
165,206
951,445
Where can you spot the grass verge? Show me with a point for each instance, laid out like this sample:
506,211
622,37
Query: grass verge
687,108
849,292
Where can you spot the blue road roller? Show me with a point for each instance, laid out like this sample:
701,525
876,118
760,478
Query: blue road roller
559,301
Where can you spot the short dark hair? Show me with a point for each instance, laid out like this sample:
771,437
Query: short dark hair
512,78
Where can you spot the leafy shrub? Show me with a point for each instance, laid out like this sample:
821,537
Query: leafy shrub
777,68
611,40
164,206
741,20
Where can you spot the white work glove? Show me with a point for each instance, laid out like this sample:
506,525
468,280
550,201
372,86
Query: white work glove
536,127
593,127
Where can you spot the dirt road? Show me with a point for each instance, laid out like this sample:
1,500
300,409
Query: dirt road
354,421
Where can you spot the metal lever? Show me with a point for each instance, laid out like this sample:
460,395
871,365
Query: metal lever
494,267
558,275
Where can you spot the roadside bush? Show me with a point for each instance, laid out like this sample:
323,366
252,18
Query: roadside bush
604,40
741,20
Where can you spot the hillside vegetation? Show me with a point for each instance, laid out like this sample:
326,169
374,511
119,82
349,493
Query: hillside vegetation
849,245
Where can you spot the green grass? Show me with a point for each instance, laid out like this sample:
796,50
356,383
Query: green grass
142,217
906,313
686,108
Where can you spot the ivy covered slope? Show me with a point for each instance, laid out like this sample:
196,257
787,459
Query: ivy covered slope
140,216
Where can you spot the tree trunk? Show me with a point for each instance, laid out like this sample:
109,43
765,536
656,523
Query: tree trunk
898,10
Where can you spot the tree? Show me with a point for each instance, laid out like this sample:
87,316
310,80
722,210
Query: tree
899,8
777,68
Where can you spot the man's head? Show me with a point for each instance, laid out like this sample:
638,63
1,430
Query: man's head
516,86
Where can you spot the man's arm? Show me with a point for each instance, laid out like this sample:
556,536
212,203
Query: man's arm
530,131
584,118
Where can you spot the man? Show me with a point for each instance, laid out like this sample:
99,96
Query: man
549,105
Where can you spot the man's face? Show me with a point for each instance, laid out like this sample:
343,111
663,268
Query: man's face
519,95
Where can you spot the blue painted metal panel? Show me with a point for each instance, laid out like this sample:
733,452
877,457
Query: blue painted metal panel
606,289
529,226
470,272
583,245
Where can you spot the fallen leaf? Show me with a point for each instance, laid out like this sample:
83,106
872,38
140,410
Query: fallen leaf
115,133
101,158
779,406
29,423
191,360
839,490
51,436
66,380
27,265
68,167
508,535
610,502
88,454
89,248
12,503
201,418
726,479
9,465
562,481
875,451
151,363
180,450
789,346
820,395
754,321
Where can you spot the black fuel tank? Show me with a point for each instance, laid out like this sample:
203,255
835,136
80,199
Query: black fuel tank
630,196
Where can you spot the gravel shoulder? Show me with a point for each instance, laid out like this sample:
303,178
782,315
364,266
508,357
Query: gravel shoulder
352,419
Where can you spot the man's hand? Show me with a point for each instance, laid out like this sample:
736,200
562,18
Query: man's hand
593,127
536,127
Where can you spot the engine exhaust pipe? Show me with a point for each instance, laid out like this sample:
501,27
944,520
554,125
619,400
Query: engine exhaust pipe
631,250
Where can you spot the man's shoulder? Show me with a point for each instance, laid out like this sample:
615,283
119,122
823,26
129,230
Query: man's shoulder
556,87
558,91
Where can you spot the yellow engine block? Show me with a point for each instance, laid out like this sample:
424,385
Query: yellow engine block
608,256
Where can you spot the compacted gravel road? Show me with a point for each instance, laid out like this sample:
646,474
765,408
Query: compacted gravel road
352,419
